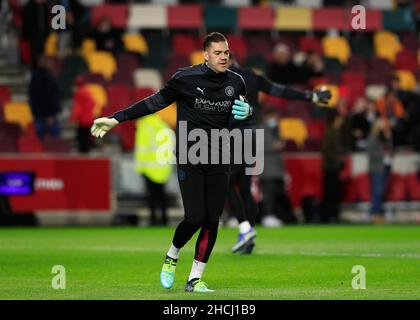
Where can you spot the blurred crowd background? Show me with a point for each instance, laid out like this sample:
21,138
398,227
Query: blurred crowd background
53,83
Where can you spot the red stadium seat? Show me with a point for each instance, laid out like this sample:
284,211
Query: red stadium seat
357,63
256,18
311,44
185,16
5,95
362,187
412,183
127,133
56,145
140,93
409,40
94,78
30,143
355,83
260,44
118,98
185,44
316,129
406,60
330,18
396,188
380,71
117,13
238,46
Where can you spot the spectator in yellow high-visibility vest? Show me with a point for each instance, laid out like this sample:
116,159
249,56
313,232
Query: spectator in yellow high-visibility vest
153,155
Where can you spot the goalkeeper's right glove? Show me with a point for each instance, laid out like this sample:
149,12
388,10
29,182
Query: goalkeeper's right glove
101,126
321,96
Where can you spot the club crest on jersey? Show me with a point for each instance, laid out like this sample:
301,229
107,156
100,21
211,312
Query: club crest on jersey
229,91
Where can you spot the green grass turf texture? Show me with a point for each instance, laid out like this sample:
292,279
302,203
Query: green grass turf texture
293,262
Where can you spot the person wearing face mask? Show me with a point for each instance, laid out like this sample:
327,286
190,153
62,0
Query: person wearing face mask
276,203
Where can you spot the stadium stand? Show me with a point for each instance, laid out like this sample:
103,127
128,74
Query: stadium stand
160,36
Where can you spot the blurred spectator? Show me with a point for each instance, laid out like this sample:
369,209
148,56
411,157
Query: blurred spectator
332,162
275,199
107,37
360,124
35,26
285,71
82,114
156,173
44,99
411,103
392,112
378,150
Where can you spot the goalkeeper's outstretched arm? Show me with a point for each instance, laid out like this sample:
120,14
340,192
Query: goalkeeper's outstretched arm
287,92
151,104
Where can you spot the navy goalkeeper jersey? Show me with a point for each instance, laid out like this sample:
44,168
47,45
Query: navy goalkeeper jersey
204,100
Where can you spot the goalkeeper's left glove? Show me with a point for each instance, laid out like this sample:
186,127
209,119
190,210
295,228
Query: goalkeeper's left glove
241,110
321,96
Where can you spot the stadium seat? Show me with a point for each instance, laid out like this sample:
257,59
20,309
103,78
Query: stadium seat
260,44
147,77
375,91
29,142
293,129
356,84
396,188
298,109
380,71
93,78
256,18
99,95
127,133
56,145
278,104
380,4
336,47
330,18
127,62
196,57
219,17
18,112
50,45
137,94
118,98
88,45
238,46
401,19
386,45
11,130
294,19
308,43
309,3
362,187
357,63
406,60
117,13
185,44
5,95
102,62
409,40
185,16
135,42
407,80
412,185
147,16
316,129
8,144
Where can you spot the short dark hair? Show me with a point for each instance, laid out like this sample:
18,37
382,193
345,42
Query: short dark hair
213,37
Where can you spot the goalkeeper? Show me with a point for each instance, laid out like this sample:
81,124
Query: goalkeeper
208,97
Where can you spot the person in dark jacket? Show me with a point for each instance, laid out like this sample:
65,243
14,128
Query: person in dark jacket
44,99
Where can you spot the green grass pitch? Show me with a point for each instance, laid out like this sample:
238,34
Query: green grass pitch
293,262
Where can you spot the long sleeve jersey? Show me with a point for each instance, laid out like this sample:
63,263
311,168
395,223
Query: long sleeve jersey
204,100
